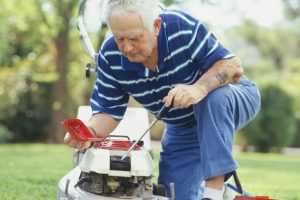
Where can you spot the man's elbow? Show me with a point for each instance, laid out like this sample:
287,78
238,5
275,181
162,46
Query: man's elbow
236,62
239,71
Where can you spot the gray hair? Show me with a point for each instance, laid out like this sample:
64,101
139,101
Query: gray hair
148,10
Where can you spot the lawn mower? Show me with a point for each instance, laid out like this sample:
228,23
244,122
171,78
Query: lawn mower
112,168
102,174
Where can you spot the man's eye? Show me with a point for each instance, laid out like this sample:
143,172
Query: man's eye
120,39
135,38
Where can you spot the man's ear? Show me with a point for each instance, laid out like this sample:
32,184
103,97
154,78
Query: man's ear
156,25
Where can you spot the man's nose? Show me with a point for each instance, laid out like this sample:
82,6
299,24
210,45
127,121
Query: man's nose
127,47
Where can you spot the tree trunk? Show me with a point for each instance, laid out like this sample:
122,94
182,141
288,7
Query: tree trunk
59,89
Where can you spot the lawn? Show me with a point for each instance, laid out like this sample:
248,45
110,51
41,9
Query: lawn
32,171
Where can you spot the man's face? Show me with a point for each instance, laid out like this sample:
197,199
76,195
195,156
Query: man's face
133,39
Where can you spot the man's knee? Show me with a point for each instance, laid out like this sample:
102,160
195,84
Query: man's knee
216,98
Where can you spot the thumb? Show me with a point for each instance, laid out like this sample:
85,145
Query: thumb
67,138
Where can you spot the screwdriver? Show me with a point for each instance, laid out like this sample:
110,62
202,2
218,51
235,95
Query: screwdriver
162,112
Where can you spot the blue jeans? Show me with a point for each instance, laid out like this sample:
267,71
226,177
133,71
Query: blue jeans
201,149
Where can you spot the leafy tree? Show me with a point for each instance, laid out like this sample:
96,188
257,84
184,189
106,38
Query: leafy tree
278,53
292,12
37,41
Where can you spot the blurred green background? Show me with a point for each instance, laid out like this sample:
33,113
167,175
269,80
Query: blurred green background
42,65
42,82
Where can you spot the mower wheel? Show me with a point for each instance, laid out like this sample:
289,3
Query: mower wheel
159,190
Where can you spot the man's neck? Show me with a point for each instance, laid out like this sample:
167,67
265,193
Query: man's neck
151,62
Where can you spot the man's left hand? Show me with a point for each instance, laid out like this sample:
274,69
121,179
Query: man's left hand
183,96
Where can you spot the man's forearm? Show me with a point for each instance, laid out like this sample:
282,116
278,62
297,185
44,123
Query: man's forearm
221,73
103,124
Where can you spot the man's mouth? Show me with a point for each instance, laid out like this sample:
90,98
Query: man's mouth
131,55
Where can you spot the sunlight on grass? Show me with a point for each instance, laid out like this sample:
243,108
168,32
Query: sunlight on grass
270,174
32,171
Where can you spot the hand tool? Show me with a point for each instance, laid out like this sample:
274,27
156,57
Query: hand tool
162,112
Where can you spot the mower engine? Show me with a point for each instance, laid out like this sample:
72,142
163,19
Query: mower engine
102,174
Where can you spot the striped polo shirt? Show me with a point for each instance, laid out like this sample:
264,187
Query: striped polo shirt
186,51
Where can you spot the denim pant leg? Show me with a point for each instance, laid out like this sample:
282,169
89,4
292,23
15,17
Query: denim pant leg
180,161
218,116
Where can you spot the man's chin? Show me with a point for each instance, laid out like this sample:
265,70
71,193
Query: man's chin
135,59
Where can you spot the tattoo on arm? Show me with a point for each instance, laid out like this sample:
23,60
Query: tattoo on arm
220,74
222,77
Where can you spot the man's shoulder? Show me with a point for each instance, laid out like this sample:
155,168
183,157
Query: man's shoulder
109,52
109,44
176,16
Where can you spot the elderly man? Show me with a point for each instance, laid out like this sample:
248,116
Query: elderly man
168,57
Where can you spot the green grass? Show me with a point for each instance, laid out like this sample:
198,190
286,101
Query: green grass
270,174
32,171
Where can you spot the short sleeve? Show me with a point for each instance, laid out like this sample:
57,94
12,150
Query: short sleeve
205,49
108,95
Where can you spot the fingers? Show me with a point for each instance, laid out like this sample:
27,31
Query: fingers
172,99
76,143
177,98
67,138
185,102
184,96
168,99
86,145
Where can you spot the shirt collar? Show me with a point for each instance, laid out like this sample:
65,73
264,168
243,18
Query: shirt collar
163,49
139,68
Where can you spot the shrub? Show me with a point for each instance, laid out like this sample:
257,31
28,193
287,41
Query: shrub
275,125
5,134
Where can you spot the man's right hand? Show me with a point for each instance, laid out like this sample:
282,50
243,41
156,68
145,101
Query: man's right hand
76,143
104,124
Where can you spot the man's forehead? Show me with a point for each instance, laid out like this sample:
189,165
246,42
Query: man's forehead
126,26
122,14
127,34
125,19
